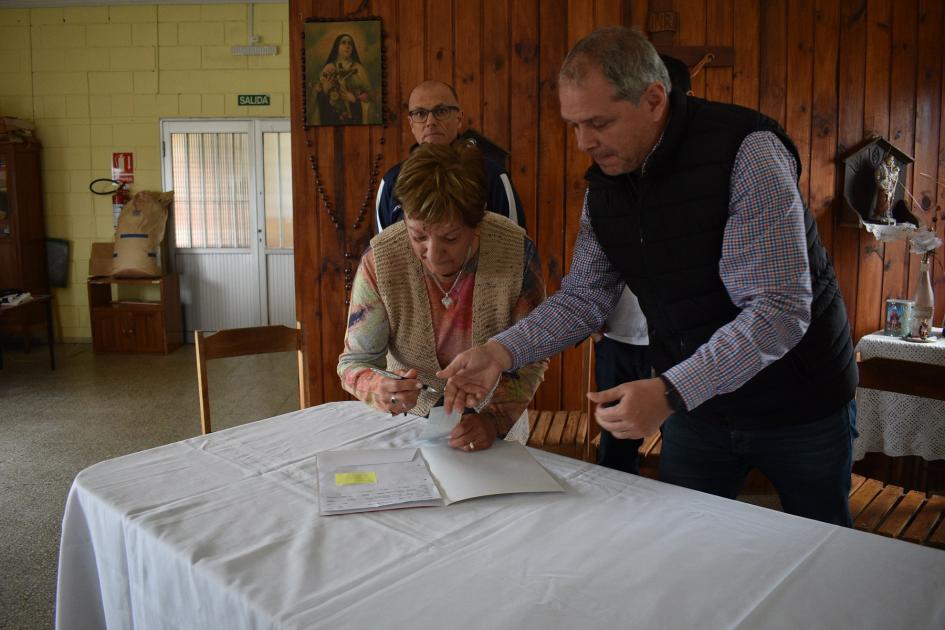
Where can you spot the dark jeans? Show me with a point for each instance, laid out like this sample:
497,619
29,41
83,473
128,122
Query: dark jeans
809,464
617,363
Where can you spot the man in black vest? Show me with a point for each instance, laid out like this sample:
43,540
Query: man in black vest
695,206
620,350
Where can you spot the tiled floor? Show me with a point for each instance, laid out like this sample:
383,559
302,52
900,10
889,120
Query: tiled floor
91,408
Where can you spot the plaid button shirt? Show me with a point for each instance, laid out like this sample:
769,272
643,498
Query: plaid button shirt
764,268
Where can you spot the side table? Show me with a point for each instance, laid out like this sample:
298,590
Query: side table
900,408
33,310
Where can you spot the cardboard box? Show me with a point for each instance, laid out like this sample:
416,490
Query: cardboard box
100,260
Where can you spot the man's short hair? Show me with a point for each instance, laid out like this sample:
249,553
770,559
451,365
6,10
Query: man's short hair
438,183
625,57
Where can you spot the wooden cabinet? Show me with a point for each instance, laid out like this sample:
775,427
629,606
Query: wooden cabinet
135,326
22,234
22,226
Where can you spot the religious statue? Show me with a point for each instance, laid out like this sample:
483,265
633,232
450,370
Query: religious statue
887,178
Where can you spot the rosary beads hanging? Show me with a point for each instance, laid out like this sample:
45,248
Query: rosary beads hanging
338,222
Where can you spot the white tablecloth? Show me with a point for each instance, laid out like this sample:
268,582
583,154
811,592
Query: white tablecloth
223,531
898,424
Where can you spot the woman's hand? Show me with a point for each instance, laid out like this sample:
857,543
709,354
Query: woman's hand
475,432
396,396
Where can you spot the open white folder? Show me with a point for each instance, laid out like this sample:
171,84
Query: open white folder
369,480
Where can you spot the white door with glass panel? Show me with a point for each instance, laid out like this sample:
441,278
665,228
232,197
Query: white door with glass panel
232,183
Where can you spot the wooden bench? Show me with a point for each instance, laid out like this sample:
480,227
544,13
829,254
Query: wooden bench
565,433
561,432
889,510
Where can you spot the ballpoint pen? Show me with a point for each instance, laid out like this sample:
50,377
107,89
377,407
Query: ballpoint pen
398,377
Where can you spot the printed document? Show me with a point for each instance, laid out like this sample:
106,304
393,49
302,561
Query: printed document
368,480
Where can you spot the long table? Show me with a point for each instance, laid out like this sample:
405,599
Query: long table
223,531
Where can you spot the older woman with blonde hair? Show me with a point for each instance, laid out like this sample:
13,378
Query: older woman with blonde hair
445,279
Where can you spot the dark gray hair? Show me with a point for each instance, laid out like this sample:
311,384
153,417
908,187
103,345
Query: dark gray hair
625,57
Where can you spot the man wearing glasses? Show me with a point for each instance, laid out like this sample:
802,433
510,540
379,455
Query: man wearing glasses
435,116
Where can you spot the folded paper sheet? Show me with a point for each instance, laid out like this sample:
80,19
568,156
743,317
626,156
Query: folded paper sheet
504,468
369,480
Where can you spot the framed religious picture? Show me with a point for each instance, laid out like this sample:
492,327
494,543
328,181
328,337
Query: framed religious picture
343,72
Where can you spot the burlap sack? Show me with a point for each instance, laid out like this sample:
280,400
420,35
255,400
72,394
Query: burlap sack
139,235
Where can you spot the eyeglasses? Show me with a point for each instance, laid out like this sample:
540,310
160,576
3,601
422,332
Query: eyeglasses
440,113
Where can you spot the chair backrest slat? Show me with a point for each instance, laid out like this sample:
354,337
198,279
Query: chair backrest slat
237,342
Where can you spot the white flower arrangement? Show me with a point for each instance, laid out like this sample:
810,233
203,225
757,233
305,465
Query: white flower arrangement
926,240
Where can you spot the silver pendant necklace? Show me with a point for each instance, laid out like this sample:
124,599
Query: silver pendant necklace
448,301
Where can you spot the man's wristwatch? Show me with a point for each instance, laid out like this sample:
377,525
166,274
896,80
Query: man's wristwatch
673,398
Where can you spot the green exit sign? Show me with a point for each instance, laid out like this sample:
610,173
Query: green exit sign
253,99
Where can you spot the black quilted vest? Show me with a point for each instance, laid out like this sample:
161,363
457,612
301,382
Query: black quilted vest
663,229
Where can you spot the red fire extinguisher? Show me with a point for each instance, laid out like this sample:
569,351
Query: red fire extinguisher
119,199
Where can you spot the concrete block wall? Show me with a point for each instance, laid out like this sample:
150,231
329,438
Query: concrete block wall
97,80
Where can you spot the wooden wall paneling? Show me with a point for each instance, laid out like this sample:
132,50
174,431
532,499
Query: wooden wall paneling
468,52
878,50
851,71
823,148
439,41
495,74
331,167
396,121
343,168
523,110
608,12
692,21
931,89
875,122
800,60
902,115
773,62
635,12
581,22
307,253
411,65
929,100
552,25
720,20
938,271
745,86
832,68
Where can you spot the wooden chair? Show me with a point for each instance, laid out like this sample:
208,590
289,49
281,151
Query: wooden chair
237,342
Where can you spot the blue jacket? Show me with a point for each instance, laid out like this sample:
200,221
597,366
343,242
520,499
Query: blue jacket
501,197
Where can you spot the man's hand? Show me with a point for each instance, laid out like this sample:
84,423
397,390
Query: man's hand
475,432
472,375
640,412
